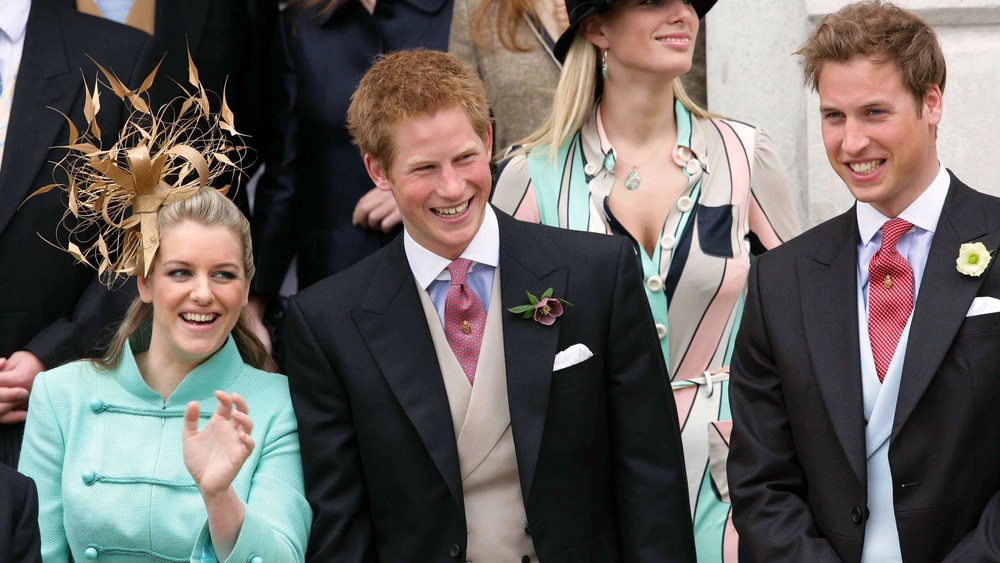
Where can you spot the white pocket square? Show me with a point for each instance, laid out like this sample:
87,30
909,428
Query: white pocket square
571,356
984,306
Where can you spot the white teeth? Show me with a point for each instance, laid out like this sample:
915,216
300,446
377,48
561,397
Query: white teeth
865,167
452,211
193,317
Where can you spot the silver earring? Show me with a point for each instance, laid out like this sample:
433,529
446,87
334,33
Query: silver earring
604,64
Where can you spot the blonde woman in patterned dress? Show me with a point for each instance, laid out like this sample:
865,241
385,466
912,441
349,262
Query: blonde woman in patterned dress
625,152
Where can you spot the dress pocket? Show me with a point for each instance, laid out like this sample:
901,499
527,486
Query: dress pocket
718,454
715,230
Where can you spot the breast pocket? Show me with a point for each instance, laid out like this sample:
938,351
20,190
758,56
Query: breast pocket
980,324
716,234
575,375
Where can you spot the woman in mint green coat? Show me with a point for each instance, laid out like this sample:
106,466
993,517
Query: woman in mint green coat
123,471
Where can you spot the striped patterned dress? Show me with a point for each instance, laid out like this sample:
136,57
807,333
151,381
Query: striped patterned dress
737,203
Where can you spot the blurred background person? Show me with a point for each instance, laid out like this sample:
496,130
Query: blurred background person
51,310
315,200
626,152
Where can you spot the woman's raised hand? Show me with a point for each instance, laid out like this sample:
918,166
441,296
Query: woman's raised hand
215,455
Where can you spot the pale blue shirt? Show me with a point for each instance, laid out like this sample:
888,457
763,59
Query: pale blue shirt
915,245
431,270
115,10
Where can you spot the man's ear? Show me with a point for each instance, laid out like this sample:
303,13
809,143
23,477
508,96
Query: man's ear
933,105
378,173
488,141
145,292
592,28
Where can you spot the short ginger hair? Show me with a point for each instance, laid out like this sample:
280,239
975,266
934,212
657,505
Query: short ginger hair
882,33
407,84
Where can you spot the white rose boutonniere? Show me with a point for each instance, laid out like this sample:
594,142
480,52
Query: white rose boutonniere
973,258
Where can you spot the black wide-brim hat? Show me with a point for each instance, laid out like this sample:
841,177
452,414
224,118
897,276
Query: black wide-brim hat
580,10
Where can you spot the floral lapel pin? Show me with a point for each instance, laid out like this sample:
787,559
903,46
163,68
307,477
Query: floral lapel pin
973,258
545,310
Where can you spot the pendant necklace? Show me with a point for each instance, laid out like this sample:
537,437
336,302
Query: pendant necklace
633,179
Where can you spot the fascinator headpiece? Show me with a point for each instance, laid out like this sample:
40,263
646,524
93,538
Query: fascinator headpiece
160,157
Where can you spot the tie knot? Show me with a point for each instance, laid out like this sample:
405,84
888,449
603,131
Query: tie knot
459,269
893,230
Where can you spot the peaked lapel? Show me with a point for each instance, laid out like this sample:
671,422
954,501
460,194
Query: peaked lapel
45,82
392,322
529,347
945,294
829,309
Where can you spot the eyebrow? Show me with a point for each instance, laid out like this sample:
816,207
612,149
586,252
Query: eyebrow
869,105
186,264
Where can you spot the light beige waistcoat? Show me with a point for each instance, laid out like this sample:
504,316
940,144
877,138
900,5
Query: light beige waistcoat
494,509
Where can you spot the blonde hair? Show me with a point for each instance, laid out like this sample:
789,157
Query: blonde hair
211,208
576,95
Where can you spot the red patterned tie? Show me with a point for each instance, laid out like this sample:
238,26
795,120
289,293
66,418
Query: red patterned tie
464,319
890,295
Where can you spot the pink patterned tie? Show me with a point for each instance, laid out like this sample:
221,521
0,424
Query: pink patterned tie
890,295
464,319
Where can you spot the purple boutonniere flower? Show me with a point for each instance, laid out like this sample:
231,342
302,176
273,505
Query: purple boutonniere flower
545,310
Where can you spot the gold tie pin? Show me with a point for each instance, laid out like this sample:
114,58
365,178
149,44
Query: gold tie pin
888,281
466,328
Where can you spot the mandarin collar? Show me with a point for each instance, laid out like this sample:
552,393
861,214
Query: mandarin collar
220,371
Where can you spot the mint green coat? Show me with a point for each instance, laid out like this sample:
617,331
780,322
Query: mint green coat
105,451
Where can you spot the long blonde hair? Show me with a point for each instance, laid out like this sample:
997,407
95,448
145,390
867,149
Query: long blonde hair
207,207
576,94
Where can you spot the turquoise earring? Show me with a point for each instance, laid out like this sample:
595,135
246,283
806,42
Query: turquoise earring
604,64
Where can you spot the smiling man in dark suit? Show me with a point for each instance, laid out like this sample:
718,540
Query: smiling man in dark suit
51,309
867,368
436,424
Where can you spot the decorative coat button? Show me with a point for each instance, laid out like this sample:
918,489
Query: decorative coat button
668,241
692,167
90,553
654,283
682,155
527,530
257,559
684,204
89,477
856,515
590,168
454,550
96,405
661,331
525,559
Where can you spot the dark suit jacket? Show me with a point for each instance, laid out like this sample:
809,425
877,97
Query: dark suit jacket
598,447
49,305
20,541
797,467
314,176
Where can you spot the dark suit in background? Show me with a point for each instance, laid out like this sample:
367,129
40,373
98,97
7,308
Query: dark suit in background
797,467
20,541
597,443
50,306
314,176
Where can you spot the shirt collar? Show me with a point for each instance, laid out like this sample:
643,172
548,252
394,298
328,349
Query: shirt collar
484,249
924,212
14,18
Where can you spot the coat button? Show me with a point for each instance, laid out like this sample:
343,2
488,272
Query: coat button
684,204
89,477
692,167
257,559
527,530
454,550
90,553
654,283
661,331
668,241
856,515
590,168
525,559
96,405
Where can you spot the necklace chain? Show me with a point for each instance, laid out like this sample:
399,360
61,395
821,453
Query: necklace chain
633,179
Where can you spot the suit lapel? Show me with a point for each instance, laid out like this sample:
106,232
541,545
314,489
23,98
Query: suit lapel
945,295
829,305
529,347
44,81
179,23
393,325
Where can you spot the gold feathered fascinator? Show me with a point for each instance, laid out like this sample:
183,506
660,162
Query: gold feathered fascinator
160,157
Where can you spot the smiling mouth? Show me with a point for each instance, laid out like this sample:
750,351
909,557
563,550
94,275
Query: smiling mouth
200,319
865,168
450,212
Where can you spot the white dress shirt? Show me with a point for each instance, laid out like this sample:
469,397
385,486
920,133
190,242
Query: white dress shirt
431,270
13,21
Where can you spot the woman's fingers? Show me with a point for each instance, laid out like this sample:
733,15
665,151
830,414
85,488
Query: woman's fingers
240,403
191,419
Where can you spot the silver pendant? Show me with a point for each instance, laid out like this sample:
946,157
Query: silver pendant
632,180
